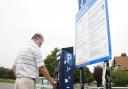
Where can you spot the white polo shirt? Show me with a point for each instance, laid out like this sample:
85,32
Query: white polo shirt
28,61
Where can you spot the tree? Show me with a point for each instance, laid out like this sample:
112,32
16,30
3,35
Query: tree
6,73
50,62
87,75
98,75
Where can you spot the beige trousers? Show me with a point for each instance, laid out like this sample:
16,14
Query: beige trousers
24,83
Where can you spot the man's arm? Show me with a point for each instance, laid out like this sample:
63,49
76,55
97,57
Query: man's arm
46,74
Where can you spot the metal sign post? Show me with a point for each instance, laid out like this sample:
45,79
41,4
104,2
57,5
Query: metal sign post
107,75
81,78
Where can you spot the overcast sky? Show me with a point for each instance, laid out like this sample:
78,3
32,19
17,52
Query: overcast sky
55,19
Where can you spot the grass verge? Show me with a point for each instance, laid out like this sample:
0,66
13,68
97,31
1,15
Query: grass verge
2,80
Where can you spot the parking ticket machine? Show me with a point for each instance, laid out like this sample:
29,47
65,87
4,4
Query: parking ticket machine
64,68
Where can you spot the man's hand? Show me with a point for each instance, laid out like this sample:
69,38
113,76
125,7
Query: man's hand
54,85
54,82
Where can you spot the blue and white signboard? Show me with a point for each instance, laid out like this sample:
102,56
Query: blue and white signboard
81,3
93,43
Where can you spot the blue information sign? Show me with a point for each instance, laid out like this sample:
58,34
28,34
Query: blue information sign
92,40
81,3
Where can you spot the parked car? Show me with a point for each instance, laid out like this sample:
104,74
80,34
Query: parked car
42,83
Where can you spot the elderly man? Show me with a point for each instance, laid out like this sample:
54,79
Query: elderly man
28,63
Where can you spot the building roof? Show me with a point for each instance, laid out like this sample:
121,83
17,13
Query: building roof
121,61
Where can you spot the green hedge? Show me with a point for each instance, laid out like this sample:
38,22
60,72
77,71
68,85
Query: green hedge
119,78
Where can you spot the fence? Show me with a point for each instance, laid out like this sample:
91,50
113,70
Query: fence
103,88
88,87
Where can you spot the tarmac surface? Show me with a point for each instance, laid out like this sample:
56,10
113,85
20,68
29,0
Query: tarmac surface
6,85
